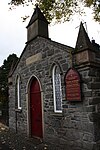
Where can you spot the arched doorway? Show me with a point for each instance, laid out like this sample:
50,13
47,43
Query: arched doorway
35,109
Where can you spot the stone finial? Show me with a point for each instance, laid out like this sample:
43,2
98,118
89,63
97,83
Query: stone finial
37,15
83,41
38,25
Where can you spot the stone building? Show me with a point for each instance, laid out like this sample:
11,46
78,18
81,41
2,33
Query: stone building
39,104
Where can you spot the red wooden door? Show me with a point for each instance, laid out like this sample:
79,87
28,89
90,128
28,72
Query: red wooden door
36,109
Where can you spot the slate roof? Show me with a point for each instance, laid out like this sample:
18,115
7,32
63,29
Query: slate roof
37,15
83,41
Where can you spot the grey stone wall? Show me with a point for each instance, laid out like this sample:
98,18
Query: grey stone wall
37,59
78,126
74,129
90,74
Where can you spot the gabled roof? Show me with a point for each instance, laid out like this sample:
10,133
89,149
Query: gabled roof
37,15
83,41
63,47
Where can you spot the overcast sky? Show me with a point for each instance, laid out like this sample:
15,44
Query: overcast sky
13,33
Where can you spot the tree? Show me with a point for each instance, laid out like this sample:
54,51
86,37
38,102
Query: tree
4,71
62,10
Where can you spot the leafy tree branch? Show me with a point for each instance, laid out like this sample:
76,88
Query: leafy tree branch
62,10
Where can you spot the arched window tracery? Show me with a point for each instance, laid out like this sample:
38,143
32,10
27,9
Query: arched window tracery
57,92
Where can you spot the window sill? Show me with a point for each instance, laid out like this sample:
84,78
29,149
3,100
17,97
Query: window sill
18,110
57,114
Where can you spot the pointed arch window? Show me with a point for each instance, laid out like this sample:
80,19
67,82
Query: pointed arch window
57,92
18,99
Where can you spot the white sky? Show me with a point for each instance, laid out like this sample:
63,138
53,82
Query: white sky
13,33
